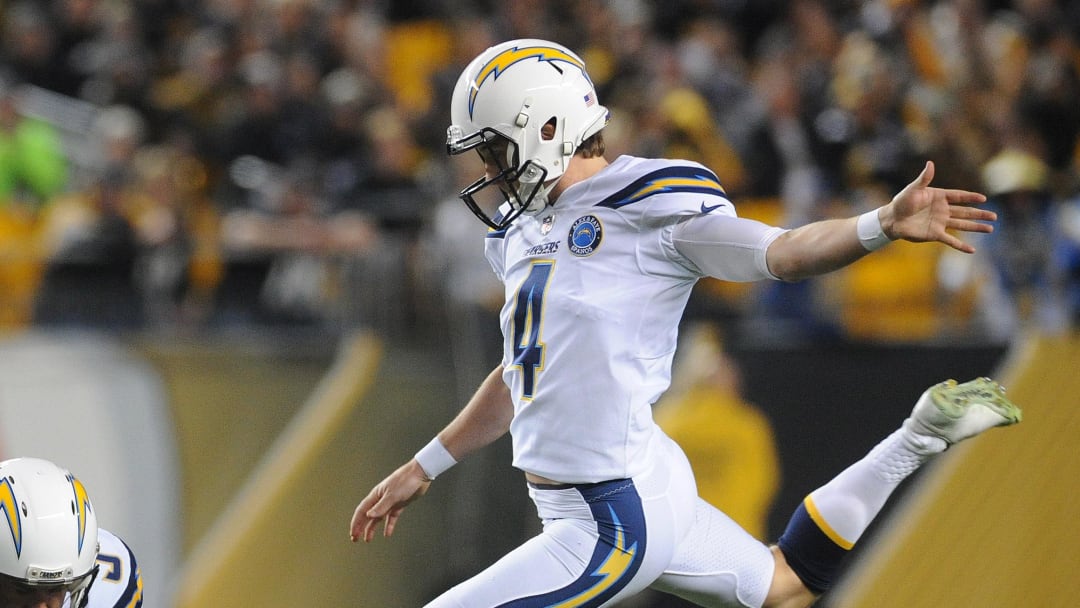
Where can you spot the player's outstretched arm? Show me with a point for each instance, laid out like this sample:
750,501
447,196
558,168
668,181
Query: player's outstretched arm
484,419
921,213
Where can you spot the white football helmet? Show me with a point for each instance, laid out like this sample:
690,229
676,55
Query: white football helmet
48,531
500,104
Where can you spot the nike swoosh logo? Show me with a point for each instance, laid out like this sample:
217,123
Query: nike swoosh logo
705,209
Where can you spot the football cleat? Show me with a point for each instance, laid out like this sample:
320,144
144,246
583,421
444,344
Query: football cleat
955,411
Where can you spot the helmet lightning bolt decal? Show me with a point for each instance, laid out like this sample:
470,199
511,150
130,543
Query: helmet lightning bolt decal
82,506
509,57
10,508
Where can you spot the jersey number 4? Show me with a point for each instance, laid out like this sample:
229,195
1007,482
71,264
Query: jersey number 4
528,319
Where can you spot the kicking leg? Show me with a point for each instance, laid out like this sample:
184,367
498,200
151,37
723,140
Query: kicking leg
718,564
825,527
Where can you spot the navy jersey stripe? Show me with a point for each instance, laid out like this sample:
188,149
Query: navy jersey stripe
669,179
619,551
133,583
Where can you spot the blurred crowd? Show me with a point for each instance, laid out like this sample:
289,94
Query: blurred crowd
180,165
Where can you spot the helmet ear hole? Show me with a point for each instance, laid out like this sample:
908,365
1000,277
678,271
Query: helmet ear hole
547,132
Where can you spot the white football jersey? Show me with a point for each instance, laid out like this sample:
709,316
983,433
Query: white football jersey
595,290
118,583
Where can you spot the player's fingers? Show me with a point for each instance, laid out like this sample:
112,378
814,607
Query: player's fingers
383,506
356,524
360,527
964,197
961,211
926,176
368,513
957,243
369,529
390,522
970,226
360,515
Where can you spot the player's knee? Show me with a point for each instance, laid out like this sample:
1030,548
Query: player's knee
787,590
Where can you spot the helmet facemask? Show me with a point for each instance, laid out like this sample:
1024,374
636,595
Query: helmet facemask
509,187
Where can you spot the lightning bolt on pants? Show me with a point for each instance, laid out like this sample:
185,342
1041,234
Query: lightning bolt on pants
604,542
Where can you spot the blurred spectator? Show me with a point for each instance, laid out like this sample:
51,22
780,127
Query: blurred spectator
90,250
33,163
820,107
118,62
303,115
1068,257
341,152
202,89
1026,283
286,253
390,193
779,149
729,442
34,170
179,263
257,130
390,189
31,45
1051,83
89,244
118,131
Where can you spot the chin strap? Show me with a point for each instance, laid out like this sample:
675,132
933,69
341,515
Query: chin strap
532,188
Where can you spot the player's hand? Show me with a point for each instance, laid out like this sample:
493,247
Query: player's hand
387,500
921,213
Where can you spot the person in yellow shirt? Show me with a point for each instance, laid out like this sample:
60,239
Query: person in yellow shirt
729,441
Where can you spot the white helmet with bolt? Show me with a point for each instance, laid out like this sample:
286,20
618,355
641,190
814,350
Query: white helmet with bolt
500,106
48,530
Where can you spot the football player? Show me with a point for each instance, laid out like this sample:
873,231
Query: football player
52,553
598,259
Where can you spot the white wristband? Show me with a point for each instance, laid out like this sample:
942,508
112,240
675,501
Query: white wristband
870,233
434,459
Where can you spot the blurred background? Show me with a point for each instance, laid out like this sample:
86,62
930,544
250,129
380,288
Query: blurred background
237,287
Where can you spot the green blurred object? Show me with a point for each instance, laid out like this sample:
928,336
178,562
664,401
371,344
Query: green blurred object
33,163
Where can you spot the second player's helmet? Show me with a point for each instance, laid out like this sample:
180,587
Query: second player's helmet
48,530
501,103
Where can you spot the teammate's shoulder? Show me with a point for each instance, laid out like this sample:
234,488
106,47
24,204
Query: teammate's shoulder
641,178
109,540
119,581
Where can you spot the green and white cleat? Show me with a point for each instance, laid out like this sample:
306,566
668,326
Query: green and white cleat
955,412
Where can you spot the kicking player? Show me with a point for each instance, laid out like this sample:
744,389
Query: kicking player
598,259
52,553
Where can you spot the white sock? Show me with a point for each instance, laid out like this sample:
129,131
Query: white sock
851,500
